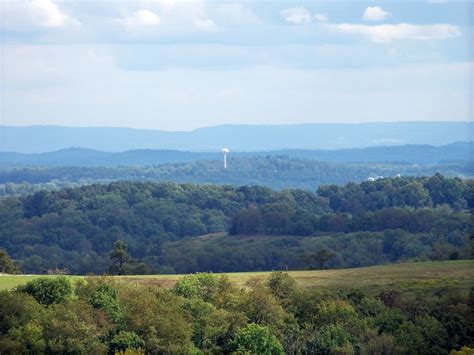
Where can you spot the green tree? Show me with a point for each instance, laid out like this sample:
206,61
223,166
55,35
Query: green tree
6,264
329,339
282,286
210,324
157,316
321,257
120,256
205,286
71,327
126,341
105,297
256,339
48,290
30,336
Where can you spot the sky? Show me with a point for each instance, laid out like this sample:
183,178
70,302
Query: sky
181,65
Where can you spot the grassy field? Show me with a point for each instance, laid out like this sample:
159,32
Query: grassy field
407,276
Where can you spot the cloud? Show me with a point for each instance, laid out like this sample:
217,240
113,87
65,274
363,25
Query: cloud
321,17
375,13
205,24
142,18
236,14
296,15
35,13
402,31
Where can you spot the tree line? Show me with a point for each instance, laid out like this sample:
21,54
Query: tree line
275,171
75,228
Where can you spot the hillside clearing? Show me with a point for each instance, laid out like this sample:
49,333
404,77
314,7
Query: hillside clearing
408,276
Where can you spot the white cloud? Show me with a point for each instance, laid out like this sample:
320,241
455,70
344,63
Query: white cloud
142,18
236,14
402,31
77,85
375,13
35,13
204,24
321,17
296,15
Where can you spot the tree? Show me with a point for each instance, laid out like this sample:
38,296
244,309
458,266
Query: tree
126,340
256,339
48,290
282,286
330,339
119,256
6,264
205,286
321,258
248,221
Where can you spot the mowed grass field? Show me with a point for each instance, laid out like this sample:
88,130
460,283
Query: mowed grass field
418,276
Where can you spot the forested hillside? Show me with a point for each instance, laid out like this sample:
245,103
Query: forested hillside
459,152
386,220
277,172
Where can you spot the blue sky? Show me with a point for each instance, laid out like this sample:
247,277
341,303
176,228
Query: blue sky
179,65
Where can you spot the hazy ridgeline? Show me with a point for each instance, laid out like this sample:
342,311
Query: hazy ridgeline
307,169
40,139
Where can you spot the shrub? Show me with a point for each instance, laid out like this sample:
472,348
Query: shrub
47,290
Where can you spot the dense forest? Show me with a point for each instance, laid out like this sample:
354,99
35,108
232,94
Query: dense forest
162,225
207,314
275,171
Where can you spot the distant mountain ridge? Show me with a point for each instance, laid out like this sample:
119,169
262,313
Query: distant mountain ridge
39,139
459,152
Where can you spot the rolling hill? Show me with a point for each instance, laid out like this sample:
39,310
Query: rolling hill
459,152
39,139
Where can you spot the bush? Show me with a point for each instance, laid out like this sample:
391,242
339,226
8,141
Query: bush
47,290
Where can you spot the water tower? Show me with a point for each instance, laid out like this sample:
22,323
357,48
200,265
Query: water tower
225,151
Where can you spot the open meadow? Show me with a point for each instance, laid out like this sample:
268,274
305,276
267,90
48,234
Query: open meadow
405,276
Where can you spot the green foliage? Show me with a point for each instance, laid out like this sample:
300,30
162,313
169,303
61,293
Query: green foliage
48,290
463,351
30,336
126,341
334,312
209,323
71,327
119,255
158,318
6,264
282,286
260,307
205,286
105,297
256,339
154,225
17,310
330,339
208,314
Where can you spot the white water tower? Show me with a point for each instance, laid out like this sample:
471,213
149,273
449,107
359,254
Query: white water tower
225,151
